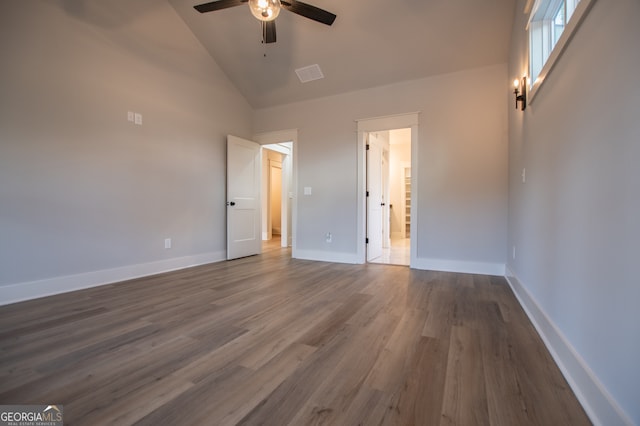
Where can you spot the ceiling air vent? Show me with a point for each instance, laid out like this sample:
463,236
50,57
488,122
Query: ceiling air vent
310,73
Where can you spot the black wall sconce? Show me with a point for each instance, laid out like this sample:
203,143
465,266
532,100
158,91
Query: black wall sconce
518,87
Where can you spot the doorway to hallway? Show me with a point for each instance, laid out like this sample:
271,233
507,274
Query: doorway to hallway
397,219
280,167
277,183
388,211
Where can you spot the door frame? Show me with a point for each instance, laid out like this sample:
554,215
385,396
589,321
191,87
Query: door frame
290,165
379,124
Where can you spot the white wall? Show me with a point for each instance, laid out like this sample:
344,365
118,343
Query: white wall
462,153
85,196
574,222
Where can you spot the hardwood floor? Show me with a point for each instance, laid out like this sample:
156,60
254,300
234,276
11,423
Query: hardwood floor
276,341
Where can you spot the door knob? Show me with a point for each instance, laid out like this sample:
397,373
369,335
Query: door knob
232,203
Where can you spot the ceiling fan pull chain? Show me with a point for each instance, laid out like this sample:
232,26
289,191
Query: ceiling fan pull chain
264,38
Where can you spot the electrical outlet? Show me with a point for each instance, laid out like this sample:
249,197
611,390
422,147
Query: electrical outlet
167,243
328,237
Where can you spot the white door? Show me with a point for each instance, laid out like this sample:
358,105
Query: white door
243,198
386,199
375,200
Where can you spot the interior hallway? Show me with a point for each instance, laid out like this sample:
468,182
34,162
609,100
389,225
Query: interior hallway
397,254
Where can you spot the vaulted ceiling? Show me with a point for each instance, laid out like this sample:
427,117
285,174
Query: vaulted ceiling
371,43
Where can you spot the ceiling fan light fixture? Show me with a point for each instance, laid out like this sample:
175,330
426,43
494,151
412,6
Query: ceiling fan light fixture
265,10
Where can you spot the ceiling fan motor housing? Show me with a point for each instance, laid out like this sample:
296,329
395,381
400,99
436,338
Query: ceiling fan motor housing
265,10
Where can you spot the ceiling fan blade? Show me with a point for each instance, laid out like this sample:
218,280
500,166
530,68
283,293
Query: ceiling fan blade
269,32
218,5
309,11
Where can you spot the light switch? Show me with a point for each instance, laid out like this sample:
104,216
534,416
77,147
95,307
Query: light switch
138,119
130,116
307,190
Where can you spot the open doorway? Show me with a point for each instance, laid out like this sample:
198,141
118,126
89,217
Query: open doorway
277,184
388,211
282,142
410,168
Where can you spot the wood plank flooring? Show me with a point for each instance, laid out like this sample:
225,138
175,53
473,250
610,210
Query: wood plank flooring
272,340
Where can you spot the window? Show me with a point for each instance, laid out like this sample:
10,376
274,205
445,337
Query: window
551,24
558,24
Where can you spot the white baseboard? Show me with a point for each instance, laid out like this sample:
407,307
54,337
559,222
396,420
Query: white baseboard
326,256
420,263
598,403
19,292
483,268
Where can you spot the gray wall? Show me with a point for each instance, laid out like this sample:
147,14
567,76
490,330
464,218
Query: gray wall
462,154
81,188
575,222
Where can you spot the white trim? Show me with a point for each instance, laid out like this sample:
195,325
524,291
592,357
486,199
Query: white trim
389,122
361,206
327,256
537,13
460,266
267,138
19,292
415,196
569,30
528,6
597,402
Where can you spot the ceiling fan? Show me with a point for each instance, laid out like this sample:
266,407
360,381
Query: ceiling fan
268,10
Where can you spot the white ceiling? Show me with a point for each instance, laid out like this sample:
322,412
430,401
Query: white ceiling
371,43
